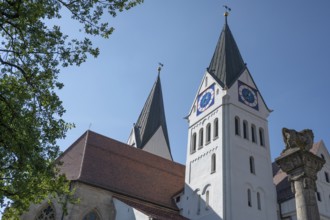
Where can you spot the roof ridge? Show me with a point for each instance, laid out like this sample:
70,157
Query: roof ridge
145,202
83,153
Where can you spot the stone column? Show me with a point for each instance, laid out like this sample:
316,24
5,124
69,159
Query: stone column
301,166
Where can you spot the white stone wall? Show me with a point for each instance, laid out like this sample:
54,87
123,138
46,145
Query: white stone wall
240,179
199,176
157,145
91,199
126,212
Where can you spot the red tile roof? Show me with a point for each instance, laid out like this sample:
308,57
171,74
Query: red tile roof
154,212
106,163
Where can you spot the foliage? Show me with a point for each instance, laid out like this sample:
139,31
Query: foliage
31,55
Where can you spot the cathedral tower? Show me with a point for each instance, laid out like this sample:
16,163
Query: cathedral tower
149,133
228,167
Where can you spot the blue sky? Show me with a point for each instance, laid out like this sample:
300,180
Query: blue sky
284,43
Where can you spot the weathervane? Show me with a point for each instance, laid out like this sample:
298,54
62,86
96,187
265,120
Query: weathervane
160,67
227,10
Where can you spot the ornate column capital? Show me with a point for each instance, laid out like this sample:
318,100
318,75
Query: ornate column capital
302,167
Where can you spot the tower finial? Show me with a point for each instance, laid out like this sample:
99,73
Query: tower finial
227,11
160,67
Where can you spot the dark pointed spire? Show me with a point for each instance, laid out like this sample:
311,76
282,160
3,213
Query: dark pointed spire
227,63
151,117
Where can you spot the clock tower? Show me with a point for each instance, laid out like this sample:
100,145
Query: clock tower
228,167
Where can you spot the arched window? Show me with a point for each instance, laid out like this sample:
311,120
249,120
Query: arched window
207,200
322,156
201,136
46,213
253,133
249,198
193,143
258,201
216,128
208,133
326,174
92,216
318,195
213,163
252,167
199,205
261,137
245,130
237,126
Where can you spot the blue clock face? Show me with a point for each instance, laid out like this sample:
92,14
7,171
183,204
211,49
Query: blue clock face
247,95
205,100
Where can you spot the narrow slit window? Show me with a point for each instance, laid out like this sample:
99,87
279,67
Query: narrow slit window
318,195
193,142
207,199
208,133
249,198
201,137
216,128
253,134
326,174
261,137
252,167
237,126
213,163
245,130
258,201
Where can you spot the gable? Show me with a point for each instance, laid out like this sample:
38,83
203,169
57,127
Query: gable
246,82
208,82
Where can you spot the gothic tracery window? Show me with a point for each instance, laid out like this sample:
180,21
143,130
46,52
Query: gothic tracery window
47,213
92,216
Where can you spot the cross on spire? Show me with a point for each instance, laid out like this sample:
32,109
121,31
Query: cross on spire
227,11
160,65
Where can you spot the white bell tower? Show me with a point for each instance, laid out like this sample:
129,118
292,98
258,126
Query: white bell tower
228,167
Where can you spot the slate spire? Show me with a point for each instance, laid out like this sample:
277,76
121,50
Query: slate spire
227,63
151,117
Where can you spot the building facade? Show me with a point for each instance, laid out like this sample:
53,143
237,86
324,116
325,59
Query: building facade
228,173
